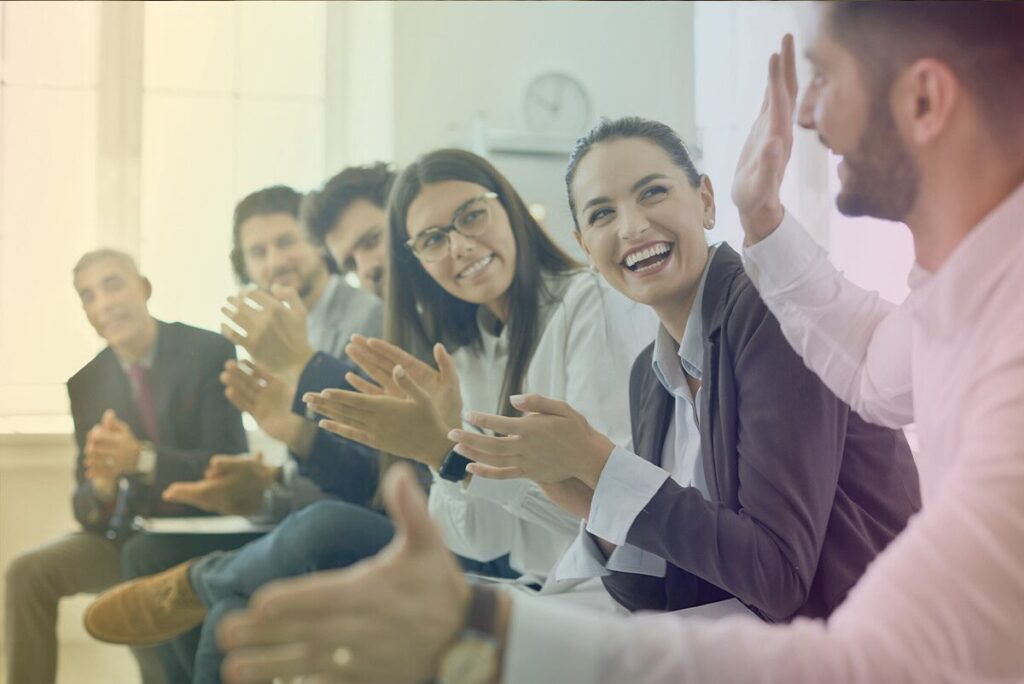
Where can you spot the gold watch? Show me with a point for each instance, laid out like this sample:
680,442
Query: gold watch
474,657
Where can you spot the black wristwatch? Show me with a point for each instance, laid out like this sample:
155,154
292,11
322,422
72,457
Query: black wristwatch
453,467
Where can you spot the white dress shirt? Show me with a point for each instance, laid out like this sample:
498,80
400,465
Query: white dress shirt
944,602
629,481
591,335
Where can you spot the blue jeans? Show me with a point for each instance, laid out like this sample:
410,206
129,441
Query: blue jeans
324,536
327,535
147,554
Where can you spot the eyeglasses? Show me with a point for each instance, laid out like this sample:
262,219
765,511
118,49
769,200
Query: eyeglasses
469,220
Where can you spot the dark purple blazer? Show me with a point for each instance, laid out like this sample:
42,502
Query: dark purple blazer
803,492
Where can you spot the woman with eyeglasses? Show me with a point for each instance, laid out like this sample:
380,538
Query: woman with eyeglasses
472,272
749,479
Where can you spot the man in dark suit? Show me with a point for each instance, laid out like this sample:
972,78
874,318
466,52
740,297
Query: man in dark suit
148,410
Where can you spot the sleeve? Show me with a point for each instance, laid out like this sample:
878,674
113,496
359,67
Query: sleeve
219,430
90,512
789,450
340,467
857,343
626,486
943,602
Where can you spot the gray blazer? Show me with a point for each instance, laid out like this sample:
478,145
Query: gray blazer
804,493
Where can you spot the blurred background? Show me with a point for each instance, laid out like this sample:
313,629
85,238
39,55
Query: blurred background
140,125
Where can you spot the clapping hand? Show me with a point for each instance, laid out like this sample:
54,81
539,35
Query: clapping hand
268,399
111,449
274,326
385,619
550,443
406,410
231,485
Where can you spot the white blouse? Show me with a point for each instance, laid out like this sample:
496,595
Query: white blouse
590,338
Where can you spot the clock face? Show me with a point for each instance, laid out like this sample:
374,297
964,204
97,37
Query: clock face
556,104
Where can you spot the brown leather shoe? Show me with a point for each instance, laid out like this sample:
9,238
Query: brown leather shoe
146,611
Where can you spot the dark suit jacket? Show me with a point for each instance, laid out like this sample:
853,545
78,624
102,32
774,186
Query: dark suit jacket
803,492
196,420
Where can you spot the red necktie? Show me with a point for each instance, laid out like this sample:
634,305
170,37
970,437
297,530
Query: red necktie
144,401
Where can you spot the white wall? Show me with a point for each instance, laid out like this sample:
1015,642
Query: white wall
456,61
732,44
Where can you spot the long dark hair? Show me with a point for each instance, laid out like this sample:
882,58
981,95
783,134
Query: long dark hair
420,313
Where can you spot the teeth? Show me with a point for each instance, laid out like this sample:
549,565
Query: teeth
654,250
477,267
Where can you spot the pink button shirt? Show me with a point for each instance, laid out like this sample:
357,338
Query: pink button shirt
945,601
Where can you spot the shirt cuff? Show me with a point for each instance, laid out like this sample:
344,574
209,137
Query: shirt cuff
536,624
636,561
582,560
147,462
627,484
501,492
780,260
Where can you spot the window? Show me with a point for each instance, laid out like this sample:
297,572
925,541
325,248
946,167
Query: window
139,127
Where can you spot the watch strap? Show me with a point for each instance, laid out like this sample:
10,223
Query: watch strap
453,467
482,615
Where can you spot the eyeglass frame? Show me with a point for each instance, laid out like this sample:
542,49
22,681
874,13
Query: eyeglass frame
448,228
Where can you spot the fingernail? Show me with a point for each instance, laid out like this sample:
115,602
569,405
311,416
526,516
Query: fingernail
399,371
516,399
454,435
308,397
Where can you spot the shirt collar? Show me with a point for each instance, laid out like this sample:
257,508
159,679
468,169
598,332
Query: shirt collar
668,360
953,295
319,307
146,361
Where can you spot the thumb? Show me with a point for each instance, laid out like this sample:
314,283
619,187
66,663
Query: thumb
537,403
289,296
407,505
109,419
409,386
445,363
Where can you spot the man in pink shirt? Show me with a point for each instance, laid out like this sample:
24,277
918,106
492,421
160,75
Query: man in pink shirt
923,101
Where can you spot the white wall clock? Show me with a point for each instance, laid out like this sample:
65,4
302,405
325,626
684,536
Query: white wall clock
556,103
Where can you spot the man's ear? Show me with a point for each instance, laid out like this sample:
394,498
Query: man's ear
147,287
924,98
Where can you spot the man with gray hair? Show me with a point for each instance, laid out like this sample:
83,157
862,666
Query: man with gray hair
148,410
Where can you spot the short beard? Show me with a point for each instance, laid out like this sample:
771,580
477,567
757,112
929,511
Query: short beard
882,180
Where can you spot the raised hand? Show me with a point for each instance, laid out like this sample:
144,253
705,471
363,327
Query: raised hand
552,442
378,359
763,160
408,425
275,329
385,619
232,485
268,399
